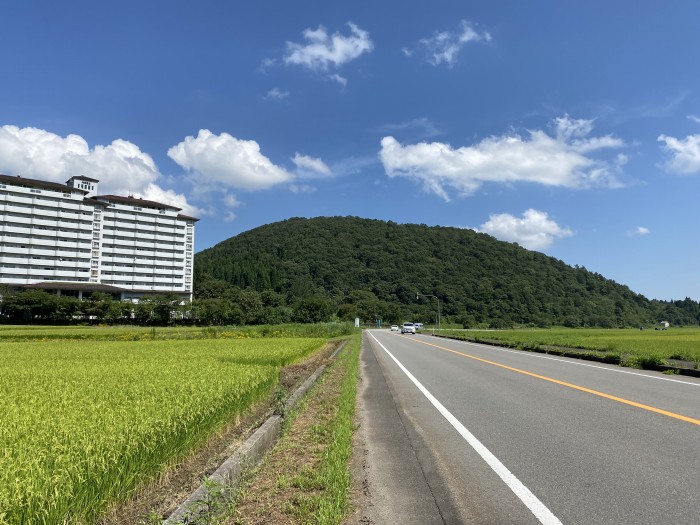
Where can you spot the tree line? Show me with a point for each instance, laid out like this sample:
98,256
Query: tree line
343,268
237,307
374,269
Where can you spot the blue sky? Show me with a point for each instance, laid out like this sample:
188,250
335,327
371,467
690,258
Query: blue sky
570,127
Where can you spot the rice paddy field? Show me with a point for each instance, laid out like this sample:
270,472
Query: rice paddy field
632,347
87,415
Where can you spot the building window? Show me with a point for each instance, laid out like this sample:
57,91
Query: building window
95,244
96,235
93,273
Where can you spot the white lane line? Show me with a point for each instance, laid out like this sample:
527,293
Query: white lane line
541,512
526,353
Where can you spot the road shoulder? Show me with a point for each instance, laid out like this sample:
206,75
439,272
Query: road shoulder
389,484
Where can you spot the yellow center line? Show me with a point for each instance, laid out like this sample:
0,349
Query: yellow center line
571,385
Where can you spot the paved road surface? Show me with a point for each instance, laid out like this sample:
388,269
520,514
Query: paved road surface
455,432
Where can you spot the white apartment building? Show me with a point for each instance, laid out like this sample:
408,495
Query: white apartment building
67,238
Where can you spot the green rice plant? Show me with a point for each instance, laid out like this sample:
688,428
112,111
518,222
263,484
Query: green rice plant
140,333
84,423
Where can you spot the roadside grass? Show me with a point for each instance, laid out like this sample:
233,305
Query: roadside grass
306,477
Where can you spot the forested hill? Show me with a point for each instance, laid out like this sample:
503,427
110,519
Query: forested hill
374,269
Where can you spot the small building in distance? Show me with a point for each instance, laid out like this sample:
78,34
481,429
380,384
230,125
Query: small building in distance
664,325
66,238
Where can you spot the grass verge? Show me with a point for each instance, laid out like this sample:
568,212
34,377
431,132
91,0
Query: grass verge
306,477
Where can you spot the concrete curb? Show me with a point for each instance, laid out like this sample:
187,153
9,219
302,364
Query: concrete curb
249,454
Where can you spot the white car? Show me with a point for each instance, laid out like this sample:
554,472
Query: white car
408,328
394,328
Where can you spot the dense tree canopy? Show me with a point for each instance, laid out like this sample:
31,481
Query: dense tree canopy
373,269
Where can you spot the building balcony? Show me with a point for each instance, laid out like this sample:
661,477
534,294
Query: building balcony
70,245
15,259
43,252
17,199
10,228
121,252
12,278
146,236
165,280
40,221
141,244
170,239
60,273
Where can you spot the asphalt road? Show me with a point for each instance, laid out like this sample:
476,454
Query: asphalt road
455,432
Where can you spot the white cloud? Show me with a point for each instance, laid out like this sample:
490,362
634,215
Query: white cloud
353,165
535,230
266,64
121,167
301,188
277,94
685,154
217,161
444,46
231,202
694,118
340,80
309,167
423,125
568,128
639,230
552,161
621,160
323,51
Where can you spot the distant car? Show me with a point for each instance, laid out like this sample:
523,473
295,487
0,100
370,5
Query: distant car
419,327
408,328
394,328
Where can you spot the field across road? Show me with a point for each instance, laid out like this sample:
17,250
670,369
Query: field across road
629,347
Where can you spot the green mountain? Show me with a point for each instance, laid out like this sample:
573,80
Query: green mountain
375,269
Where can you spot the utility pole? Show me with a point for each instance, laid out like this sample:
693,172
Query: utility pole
418,295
